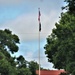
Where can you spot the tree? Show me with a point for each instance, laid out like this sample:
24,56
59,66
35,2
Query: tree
24,71
8,43
5,67
13,65
60,47
21,62
33,66
70,6
22,66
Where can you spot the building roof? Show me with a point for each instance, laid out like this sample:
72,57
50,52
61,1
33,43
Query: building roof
49,72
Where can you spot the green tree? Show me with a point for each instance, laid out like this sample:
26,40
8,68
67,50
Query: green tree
33,66
5,66
70,6
24,71
12,65
60,47
21,62
22,66
8,43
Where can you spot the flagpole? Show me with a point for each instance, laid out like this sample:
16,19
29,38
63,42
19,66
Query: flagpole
39,36
39,52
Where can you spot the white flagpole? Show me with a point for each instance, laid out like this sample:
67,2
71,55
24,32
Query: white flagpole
39,52
39,37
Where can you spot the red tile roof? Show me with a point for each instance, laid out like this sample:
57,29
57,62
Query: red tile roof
49,72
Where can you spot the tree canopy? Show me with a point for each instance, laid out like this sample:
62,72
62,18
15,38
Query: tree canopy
8,41
70,6
13,65
33,66
60,47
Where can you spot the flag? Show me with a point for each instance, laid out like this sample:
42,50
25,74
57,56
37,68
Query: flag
39,26
39,14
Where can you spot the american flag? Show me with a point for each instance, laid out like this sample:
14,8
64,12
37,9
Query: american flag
39,14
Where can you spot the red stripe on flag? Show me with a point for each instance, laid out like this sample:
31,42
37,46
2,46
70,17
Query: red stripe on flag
39,15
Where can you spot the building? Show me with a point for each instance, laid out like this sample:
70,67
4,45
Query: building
49,72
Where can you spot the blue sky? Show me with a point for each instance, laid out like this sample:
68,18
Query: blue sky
21,17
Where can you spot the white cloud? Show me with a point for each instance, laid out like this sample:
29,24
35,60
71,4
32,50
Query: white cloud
9,2
26,25
34,56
